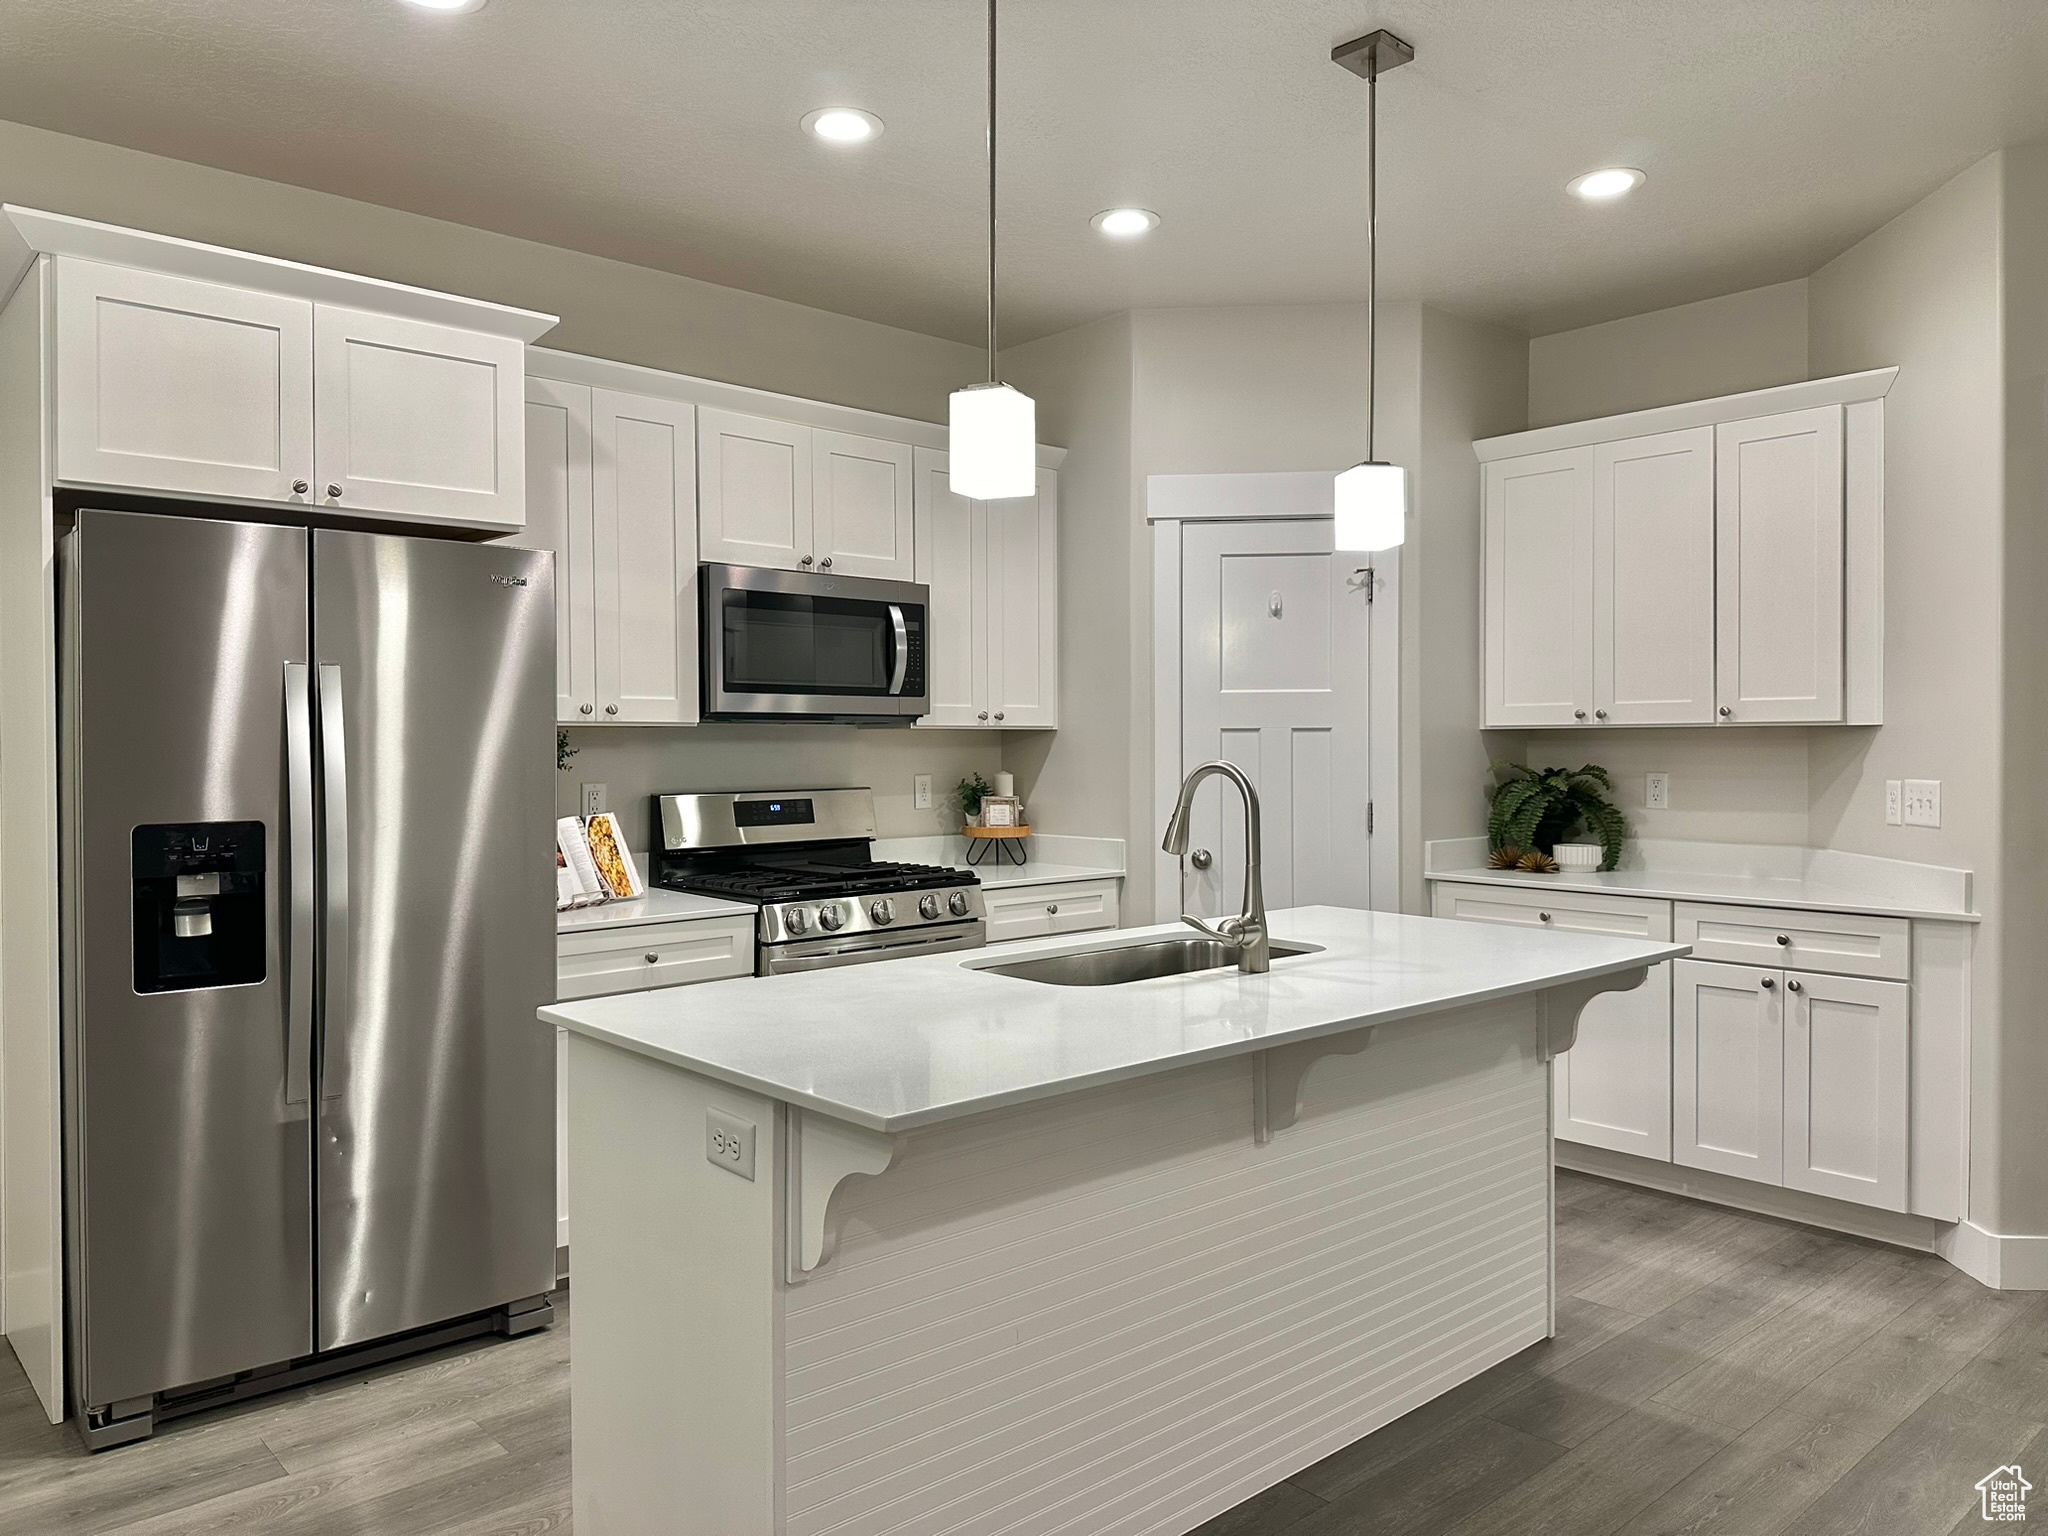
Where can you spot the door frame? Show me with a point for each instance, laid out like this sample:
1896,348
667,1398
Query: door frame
1294,496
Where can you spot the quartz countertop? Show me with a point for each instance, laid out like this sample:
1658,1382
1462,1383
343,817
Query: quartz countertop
1728,889
925,1040
1049,858
656,906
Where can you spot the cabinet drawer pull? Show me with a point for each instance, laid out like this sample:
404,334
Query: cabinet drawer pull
1052,909
1793,986
1785,939
653,958
1542,917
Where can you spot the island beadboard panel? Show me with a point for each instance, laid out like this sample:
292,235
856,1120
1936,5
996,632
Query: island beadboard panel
1116,1313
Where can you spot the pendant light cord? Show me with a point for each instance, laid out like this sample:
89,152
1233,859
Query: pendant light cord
1372,248
992,191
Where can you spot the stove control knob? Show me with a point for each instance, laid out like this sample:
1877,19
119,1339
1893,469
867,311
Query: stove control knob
794,920
928,905
830,916
957,903
882,910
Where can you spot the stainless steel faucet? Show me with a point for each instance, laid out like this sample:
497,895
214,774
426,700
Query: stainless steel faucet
1247,931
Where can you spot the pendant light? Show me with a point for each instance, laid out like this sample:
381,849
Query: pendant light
1372,497
992,429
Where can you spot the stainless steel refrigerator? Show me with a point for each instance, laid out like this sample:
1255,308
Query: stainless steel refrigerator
308,916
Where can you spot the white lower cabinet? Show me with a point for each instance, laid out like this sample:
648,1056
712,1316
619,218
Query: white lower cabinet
1038,911
1847,1060
601,961
1728,1058
1613,1087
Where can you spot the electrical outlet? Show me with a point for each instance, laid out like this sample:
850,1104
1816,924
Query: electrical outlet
1657,792
1894,804
923,783
1923,802
729,1142
593,797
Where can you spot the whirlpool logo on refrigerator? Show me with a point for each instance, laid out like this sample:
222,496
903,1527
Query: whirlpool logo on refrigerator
508,581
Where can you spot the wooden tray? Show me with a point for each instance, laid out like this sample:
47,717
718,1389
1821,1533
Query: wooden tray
995,834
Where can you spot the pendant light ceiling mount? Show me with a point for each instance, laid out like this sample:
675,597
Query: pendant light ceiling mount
1371,499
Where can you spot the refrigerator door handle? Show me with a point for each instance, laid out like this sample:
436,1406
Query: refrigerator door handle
298,731
334,1014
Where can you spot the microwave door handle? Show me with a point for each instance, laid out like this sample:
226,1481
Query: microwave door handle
298,732
334,1013
902,629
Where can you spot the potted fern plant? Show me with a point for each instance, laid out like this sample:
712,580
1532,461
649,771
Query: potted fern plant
1535,809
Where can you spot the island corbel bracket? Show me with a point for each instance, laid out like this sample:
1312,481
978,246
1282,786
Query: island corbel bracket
819,1154
1563,1004
1277,1075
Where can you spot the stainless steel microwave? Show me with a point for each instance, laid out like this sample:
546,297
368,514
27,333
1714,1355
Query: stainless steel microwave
789,645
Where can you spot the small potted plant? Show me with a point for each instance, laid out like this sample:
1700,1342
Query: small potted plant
971,791
1535,809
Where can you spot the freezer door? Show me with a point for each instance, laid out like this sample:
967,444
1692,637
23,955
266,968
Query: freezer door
436,1159
188,1167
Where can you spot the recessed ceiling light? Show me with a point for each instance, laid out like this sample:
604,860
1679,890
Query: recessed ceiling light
447,7
1125,223
843,125
1605,186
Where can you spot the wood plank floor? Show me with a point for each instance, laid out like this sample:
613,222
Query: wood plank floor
1714,1374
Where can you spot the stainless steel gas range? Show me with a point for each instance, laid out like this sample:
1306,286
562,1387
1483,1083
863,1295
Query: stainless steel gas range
804,858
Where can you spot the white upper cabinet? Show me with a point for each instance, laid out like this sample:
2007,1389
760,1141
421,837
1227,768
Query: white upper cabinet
755,491
1539,529
993,572
558,518
952,534
417,420
861,513
171,384
1725,570
1653,579
644,542
1779,536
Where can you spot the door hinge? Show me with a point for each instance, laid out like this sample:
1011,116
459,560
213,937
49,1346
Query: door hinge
1368,818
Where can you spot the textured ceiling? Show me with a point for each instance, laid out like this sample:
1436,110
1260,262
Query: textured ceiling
1775,133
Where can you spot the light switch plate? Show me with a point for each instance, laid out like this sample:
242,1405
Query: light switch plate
729,1142
1923,802
1657,792
593,797
1894,804
923,783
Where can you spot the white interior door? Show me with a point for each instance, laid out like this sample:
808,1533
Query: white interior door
1847,1042
1778,530
754,503
1653,579
861,512
1728,1060
1275,678
643,473
558,519
952,561
1539,580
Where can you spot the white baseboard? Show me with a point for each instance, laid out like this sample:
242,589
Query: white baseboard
2008,1263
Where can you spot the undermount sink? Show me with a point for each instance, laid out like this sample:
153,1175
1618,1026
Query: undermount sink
1114,966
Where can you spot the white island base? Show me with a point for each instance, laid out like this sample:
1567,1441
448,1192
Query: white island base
1114,1309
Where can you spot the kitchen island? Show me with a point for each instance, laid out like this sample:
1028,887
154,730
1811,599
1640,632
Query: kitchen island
923,1246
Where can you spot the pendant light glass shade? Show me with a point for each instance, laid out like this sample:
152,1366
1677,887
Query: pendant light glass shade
1372,507
992,439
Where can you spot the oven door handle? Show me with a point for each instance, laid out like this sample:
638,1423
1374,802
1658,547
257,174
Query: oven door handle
902,628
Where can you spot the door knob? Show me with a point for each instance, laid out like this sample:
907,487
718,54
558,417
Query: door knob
1599,714
1201,858
982,716
586,709
1727,713
1052,909
334,490
807,559
653,958
1578,714
999,714
1770,984
1785,939
1793,986
300,487
826,563
611,709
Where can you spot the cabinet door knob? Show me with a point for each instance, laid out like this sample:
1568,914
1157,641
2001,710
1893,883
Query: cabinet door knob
1542,917
586,709
300,487
807,559
1599,714
1770,983
1785,939
653,958
1727,713
826,563
999,714
334,490
611,709
1793,986
1578,714
982,716
1052,909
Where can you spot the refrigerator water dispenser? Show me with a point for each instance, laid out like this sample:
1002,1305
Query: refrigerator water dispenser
199,906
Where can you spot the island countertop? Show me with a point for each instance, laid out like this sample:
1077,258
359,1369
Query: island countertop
917,1042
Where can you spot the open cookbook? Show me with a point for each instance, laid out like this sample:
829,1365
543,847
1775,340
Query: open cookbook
592,863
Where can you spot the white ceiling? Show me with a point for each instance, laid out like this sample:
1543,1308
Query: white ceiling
664,132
